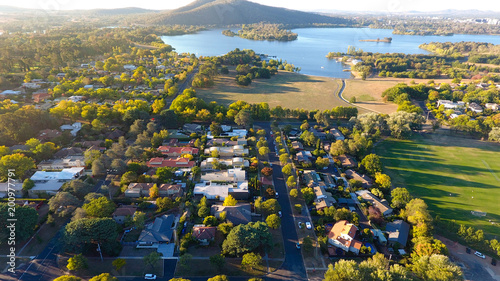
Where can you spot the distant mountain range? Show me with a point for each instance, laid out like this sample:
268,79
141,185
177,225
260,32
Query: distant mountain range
228,12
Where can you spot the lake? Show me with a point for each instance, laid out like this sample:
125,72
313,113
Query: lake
313,44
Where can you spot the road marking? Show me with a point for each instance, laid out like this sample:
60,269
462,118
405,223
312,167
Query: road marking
491,171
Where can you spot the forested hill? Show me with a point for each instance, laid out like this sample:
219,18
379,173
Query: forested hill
227,12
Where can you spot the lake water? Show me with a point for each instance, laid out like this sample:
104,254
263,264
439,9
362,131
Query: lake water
313,44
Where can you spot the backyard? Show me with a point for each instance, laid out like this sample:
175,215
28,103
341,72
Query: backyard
458,178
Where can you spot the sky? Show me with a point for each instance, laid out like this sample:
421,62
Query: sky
389,6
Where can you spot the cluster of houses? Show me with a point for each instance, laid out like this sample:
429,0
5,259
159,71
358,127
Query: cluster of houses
459,107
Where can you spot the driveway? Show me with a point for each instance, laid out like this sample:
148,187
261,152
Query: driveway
474,268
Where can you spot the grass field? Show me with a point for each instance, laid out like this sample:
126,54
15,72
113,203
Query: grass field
290,90
453,175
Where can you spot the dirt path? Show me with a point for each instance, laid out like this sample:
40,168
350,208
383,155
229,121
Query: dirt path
475,268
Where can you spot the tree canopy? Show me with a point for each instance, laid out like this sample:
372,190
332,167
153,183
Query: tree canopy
245,238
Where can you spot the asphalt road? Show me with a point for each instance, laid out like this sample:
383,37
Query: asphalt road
44,266
293,266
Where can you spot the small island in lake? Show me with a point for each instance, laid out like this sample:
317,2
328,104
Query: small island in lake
385,40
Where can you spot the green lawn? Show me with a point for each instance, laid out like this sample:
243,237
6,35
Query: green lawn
290,90
453,175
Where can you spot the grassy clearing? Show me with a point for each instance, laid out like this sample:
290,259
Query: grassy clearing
134,267
453,175
197,267
290,90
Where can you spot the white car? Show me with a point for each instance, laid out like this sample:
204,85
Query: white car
308,225
280,214
150,277
480,255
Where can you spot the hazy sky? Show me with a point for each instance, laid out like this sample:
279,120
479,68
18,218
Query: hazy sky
389,6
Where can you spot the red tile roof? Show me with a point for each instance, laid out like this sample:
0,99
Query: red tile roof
174,150
204,232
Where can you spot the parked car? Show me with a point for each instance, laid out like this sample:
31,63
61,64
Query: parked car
277,195
279,214
297,245
150,277
308,225
300,224
467,250
479,255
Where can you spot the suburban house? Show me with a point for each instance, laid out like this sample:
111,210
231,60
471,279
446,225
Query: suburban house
192,128
381,205
347,161
320,135
59,164
230,175
115,134
160,232
10,92
61,75
226,142
129,67
136,190
179,162
204,234
337,134
68,151
51,182
475,107
73,128
215,190
122,212
39,97
239,214
48,134
240,133
342,236
364,179
236,150
177,151
235,162
304,156
298,146
398,232
76,98
450,105
323,198
13,186
492,106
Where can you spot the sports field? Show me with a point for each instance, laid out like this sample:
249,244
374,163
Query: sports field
290,90
453,175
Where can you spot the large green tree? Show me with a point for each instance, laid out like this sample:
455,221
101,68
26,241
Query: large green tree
372,164
99,208
18,164
84,234
245,238
27,218
103,277
77,262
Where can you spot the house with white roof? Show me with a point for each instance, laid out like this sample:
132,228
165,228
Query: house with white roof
234,162
10,92
216,190
73,128
13,186
51,182
450,105
236,150
129,67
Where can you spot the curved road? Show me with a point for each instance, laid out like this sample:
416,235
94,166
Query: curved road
339,95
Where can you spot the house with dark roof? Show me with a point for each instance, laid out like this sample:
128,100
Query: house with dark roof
48,134
239,214
204,234
160,232
298,146
69,151
398,232
304,156
115,134
192,128
122,212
